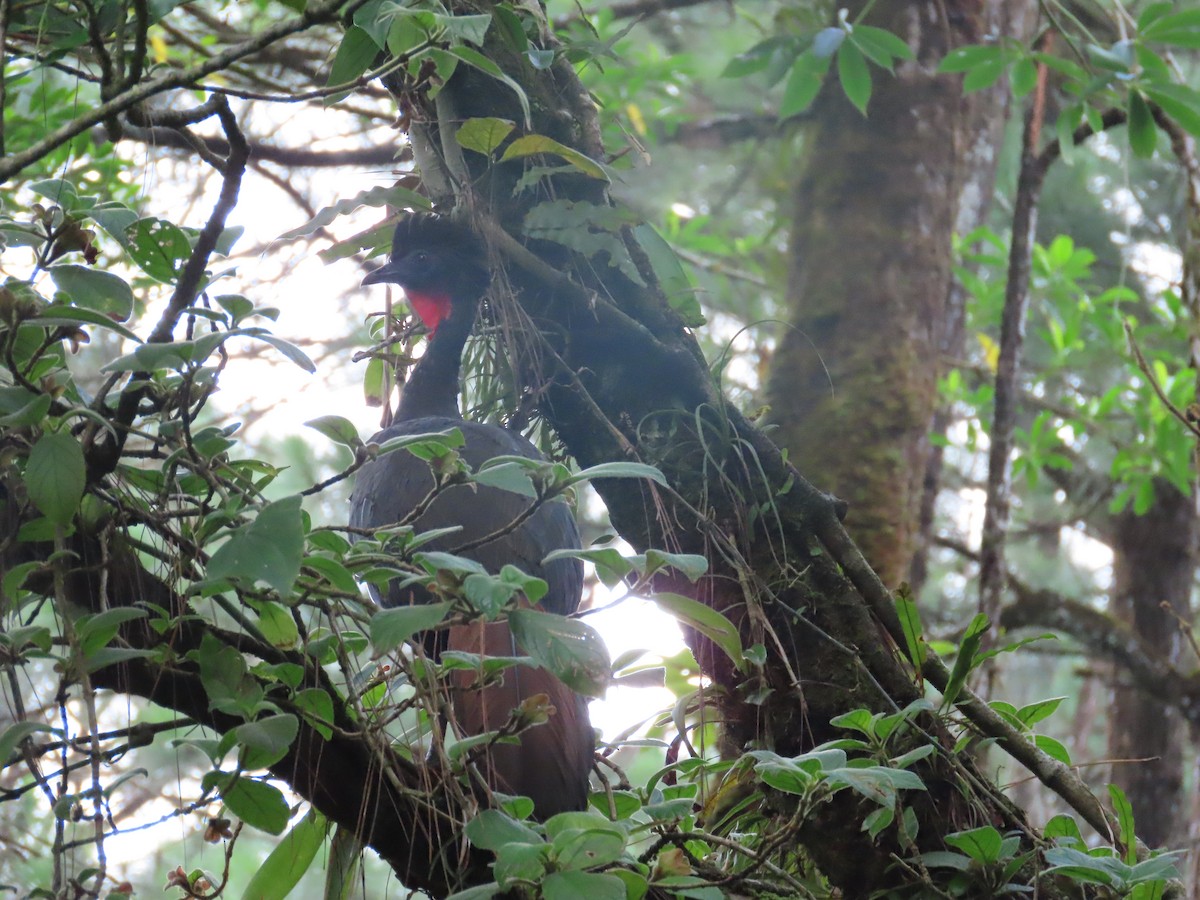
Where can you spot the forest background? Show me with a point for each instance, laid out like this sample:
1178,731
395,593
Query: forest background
943,256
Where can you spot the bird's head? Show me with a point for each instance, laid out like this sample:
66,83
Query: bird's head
439,263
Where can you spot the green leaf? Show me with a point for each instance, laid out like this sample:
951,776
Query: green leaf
854,76
268,549
286,864
1033,713
1052,748
258,804
965,661
582,886
691,565
981,844
584,840
1023,76
1143,133
24,408
570,649
316,706
97,631
12,736
1124,810
472,29
392,627
395,196
94,289
492,829
880,46
704,619
620,470
910,623
159,247
808,72
483,135
611,566
964,59
265,741
276,624
983,75
1181,29
55,476
672,278
354,56
338,429
1180,102
61,314
532,144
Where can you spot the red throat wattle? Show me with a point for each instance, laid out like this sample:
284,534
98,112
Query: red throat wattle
432,308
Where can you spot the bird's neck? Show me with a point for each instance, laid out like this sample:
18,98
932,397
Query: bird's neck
432,388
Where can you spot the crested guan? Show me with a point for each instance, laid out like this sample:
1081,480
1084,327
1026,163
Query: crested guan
442,267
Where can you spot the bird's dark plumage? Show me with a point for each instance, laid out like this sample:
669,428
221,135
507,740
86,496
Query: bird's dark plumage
442,267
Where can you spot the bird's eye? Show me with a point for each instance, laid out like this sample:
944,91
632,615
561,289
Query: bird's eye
421,257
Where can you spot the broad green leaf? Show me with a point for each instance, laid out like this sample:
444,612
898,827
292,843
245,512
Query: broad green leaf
672,278
620,470
981,844
880,46
354,56
266,740
392,627
571,649
532,144
268,549
315,705
338,429
12,736
94,289
691,565
808,72
472,29
854,76
483,135
706,620
1023,76
1052,748
395,196
582,886
61,314
159,247
258,804
276,624
55,476
611,566
21,408
97,631
983,75
964,59
492,829
1143,132
1033,713
1180,102
286,864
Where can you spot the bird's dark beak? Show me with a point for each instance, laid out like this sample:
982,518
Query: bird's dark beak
385,274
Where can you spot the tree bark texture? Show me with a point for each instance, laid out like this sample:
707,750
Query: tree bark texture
1154,565
872,306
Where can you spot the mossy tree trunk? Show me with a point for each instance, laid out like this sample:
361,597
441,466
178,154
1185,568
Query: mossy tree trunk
872,307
